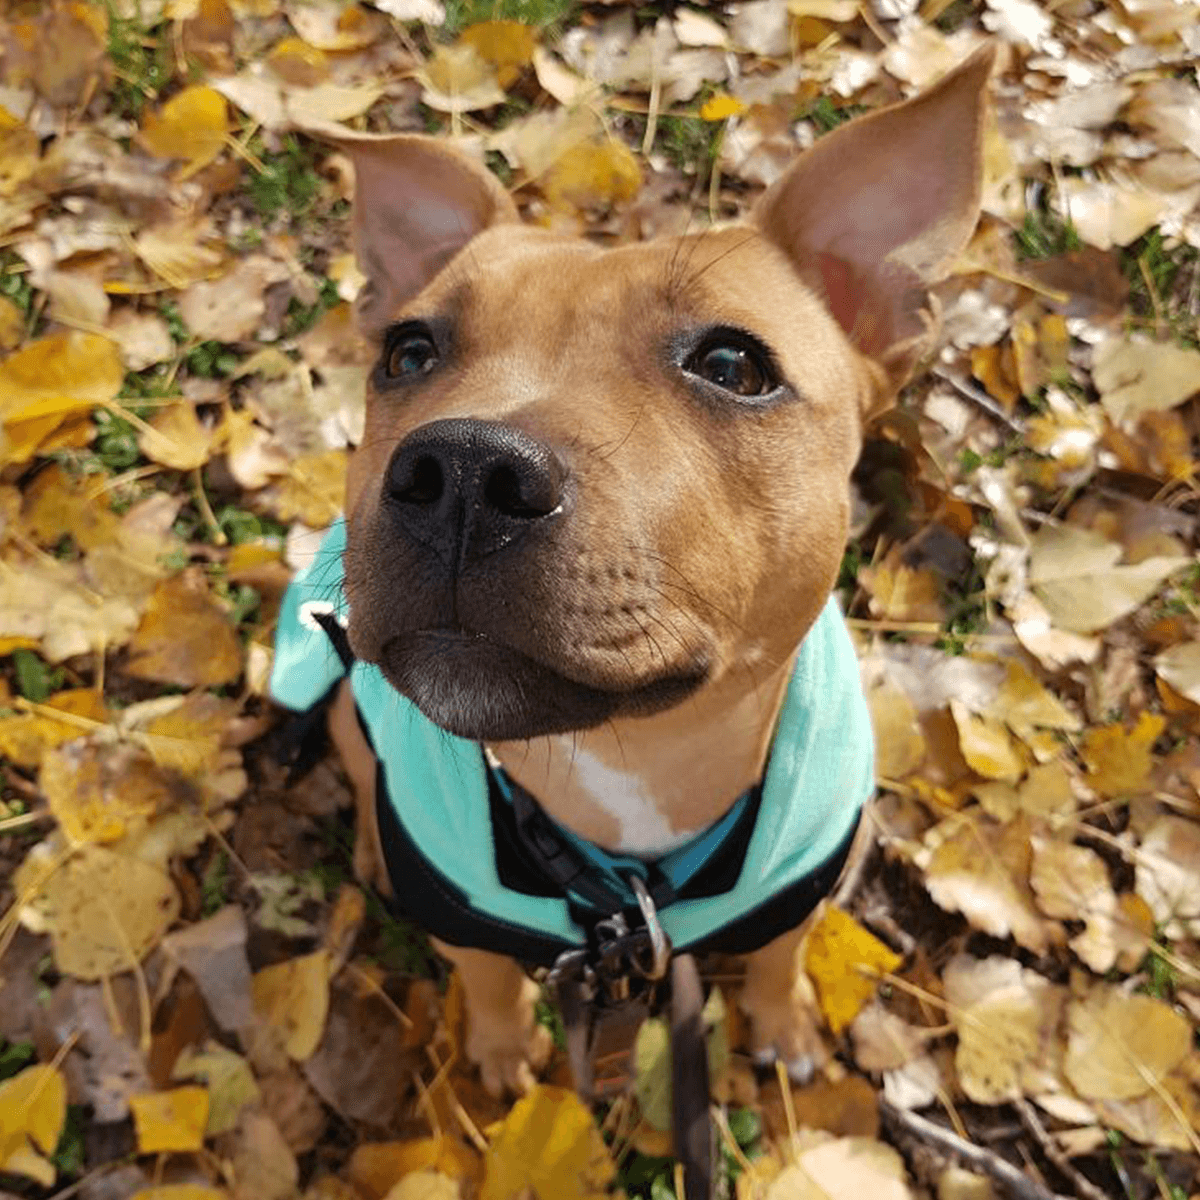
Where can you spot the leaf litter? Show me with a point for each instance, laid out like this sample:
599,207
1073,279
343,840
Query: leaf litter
179,384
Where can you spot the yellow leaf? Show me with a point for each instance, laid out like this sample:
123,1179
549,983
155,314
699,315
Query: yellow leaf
1119,762
185,636
104,911
227,1076
507,45
986,745
425,1185
593,174
376,1167
548,1145
182,251
26,737
12,319
59,374
177,439
191,125
98,792
720,106
33,1108
900,744
293,997
298,63
459,79
313,491
1119,1044
173,1120
844,961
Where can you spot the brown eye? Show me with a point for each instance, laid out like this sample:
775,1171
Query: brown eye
733,366
410,355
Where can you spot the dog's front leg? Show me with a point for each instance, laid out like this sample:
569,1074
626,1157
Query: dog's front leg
503,1036
781,1004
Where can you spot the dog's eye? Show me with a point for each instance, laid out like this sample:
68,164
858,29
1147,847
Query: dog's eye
410,353
735,366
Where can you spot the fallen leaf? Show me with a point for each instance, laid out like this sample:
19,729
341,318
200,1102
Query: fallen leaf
191,126
293,998
997,1008
1119,760
228,1080
104,911
176,438
1075,574
425,1185
1120,1044
1137,377
229,309
550,1145
593,174
1071,882
27,737
1168,875
185,637
33,1111
1180,667
458,79
986,745
844,962
982,870
376,1167
899,742
507,45
263,1165
170,1121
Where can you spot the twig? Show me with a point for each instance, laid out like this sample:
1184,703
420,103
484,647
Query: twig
1015,1182
1084,1187
964,387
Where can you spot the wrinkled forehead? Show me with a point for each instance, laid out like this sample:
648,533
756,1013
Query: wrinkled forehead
515,279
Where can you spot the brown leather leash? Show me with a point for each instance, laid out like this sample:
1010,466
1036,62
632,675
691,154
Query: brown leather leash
610,987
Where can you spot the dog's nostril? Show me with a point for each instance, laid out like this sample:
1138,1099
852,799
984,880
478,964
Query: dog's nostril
506,493
425,484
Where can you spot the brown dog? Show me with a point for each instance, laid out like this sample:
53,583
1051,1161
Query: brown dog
602,495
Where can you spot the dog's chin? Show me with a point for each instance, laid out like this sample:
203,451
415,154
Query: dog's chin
475,687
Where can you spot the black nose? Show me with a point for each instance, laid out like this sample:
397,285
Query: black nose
468,488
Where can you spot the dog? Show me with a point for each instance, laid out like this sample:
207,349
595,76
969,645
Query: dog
586,652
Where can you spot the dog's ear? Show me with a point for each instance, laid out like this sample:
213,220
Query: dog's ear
416,204
879,208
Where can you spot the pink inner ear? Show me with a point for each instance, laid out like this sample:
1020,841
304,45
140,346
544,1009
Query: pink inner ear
843,294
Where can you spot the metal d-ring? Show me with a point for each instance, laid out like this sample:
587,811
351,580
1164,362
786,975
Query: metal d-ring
660,944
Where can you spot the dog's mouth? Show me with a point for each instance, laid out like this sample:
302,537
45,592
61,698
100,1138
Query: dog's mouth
476,687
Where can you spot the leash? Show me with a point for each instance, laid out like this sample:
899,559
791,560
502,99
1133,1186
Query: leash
616,981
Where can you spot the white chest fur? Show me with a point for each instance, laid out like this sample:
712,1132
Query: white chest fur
644,829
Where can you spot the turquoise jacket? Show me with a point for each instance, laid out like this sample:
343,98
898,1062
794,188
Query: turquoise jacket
439,811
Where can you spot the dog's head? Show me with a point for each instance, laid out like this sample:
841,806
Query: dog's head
595,481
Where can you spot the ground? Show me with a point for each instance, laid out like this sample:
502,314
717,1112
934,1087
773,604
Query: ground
199,1000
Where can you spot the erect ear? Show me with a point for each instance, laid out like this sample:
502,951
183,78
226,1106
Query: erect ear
880,207
416,204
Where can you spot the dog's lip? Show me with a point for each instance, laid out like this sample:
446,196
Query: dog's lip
450,637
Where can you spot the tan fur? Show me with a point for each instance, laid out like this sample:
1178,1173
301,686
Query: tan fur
700,532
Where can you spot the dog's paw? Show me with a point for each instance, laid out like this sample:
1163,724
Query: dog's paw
787,1032
509,1047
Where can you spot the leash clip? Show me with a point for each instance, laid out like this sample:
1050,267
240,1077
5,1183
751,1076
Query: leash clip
660,944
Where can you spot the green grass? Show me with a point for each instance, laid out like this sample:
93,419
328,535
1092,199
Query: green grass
35,679
14,282
141,61
1164,285
15,1057
541,13
827,116
1044,234
690,143
288,182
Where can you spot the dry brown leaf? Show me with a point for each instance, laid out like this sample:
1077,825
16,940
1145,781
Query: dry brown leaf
1071,882
229,309
104,911
1002,1013
1119,1044
1137,377
185,636
982,871
1168,875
